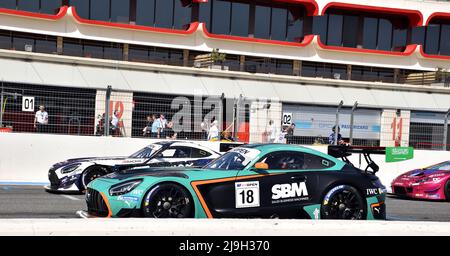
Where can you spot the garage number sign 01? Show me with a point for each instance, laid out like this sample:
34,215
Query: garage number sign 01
247,194
397,154
28,104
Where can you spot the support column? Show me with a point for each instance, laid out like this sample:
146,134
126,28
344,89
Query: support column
126,51
59,45
185,57
349,72
297,68
242,63
396,75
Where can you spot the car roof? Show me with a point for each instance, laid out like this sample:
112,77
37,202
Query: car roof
271,147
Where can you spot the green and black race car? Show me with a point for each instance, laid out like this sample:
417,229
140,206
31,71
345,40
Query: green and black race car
252,181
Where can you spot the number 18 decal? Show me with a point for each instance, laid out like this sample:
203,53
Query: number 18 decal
247,194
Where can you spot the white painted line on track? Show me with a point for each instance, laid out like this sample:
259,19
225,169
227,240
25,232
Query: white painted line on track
71,197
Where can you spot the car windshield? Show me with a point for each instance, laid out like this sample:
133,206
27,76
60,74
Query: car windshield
146,152
236,159
440,167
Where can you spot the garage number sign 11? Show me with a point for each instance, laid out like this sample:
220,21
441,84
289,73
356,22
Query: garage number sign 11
397,154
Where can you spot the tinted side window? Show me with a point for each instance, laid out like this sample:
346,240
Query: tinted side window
286,160
199,153
316,162
291,160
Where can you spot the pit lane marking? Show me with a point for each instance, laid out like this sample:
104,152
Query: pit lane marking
71,197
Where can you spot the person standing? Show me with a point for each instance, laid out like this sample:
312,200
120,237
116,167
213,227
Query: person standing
331,139
115,124
214,134
271,132
41,120
163,124
290,134
148,128
205,129
156,128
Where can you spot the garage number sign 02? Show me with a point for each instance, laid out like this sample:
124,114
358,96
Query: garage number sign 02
27,104
247,194
287,118
397,154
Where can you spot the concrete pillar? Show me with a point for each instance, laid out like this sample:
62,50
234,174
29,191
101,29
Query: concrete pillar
59,45
185,57
396,75
349,72
297,68
242,63
126,51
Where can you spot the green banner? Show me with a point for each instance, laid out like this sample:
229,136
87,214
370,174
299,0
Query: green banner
397,154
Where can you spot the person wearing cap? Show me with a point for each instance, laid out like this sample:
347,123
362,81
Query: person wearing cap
41,120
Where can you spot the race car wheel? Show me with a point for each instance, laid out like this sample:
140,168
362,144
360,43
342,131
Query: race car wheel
343,202
447,190
167,201
91,174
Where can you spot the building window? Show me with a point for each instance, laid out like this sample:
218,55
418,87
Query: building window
172,14
240,19
120,11
8,4
437,39
27,42
324,70
155,55
363,73
81,7
364,30
36,6
254,19
92,49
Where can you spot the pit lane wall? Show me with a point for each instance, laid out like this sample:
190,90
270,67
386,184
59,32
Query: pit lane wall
26,158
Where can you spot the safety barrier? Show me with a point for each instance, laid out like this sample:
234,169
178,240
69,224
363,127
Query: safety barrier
225,227
27,157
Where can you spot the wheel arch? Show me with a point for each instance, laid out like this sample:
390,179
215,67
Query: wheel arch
191,196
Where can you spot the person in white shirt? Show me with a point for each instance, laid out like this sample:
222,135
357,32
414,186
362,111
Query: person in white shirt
214,134
115,131
41,120
271,132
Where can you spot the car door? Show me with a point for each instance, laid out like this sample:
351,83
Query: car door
289,184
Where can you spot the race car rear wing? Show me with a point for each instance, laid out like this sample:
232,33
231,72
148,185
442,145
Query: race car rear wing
344,151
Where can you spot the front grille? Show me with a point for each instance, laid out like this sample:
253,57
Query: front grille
54,181
95,203
399,190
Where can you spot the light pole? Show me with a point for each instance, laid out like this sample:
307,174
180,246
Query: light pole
352,121
446,129
336,126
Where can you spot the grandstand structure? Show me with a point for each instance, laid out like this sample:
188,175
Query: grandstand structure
248,61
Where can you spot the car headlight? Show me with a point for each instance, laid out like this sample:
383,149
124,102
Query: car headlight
70,168
124,188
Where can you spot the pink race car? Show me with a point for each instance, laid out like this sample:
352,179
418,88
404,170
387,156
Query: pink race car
432,183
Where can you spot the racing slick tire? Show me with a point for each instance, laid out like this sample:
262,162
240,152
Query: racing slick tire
447,190
91,174
168,201
343,202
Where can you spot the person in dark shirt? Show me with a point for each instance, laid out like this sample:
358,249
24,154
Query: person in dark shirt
331,140
290,134
169,132
148,129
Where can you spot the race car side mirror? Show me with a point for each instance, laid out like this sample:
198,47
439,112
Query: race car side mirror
261,166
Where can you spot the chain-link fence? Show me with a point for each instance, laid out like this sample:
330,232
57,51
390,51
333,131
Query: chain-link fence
78,111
